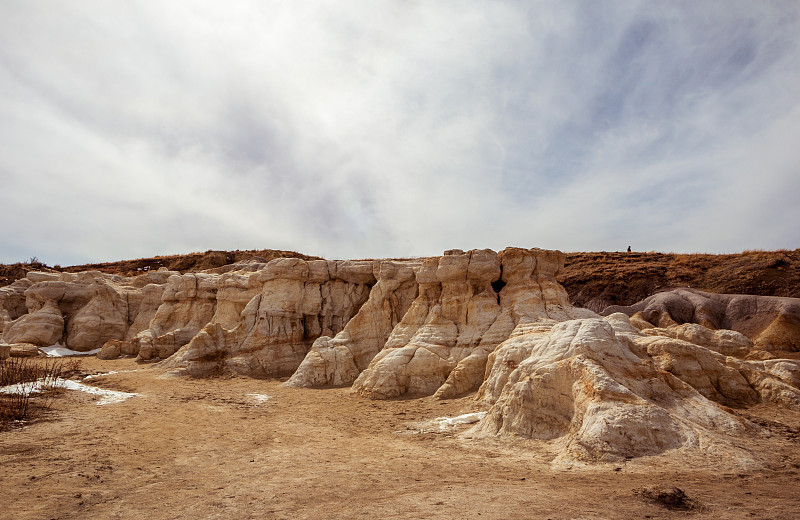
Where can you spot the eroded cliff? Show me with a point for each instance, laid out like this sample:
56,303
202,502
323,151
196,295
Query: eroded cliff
657,377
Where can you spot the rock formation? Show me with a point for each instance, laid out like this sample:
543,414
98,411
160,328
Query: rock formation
339,360
654,377
772,323
82,311
267,319
468,303
602,390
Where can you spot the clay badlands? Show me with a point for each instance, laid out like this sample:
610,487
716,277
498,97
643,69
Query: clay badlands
470,384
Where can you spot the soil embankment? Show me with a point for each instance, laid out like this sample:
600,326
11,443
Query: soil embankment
597,280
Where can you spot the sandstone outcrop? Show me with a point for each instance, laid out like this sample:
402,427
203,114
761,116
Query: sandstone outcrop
655,377
339,360
12,301
468,303
83,310
602,390
772,323
21,350
267,319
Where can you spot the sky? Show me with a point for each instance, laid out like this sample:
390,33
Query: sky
373,129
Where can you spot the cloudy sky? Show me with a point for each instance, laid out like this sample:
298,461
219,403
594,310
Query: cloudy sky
351,129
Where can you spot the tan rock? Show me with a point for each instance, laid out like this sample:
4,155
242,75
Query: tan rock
12,301
442,344
103,318
727,342
188,303
772,323
339,360
581,386
601,390
23,350
43,327
292,302
111,349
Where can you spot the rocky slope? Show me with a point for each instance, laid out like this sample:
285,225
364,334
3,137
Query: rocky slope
645,379
598,280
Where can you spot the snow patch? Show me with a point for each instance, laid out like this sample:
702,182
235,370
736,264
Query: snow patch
92,376
445,423
59,350
106,396
260,398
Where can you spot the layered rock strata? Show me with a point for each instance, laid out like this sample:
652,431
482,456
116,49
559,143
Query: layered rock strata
267,320
468,303
657,377
82,311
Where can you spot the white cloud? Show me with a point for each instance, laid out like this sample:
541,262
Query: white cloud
356,129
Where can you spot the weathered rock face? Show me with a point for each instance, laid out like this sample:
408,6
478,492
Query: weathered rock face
772,323
605,391
187,304
12,301
288,304
42,327
339,360
468,303
600,388
81,310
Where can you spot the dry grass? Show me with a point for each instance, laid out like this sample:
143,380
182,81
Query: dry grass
596,280
34,386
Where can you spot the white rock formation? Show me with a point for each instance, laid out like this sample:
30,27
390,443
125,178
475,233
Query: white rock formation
82,310
289,304
605,391
339,360
599,388
443,342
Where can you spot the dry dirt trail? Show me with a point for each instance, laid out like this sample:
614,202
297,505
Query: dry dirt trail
188,448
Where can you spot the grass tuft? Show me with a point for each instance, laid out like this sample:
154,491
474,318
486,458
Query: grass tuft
30,386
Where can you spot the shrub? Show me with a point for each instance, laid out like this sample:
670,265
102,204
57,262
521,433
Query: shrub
29,386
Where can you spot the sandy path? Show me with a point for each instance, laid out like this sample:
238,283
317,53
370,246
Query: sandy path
206,449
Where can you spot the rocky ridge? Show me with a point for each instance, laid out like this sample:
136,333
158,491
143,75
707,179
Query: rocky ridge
654,377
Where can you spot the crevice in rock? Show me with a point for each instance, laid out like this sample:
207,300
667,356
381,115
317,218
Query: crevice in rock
498,284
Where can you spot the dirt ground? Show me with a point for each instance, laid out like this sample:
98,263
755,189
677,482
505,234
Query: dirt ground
188,448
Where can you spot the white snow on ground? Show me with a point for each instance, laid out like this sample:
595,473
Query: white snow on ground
106,396
59,350
450,422
92,376
260,398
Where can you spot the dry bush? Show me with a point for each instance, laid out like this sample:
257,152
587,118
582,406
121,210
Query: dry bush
673,498
30,386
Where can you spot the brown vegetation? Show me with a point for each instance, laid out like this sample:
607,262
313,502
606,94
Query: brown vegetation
597,280
35,386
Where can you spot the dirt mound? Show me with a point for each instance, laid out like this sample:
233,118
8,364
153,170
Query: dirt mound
597,280
673,498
